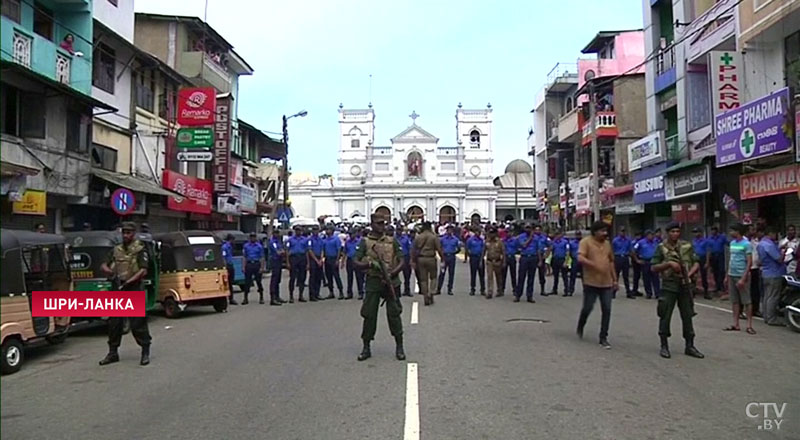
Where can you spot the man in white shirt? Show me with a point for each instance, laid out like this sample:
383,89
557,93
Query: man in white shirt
791,242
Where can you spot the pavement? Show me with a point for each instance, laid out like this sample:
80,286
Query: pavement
476,369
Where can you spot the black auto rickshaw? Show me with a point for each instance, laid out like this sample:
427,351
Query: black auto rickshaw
90,249
192,271
30,262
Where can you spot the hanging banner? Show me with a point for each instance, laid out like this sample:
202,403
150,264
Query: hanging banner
196,106
237,169
726,76
222,148
782,180
32,203
688,183
625,205
247,201
757,129
583,201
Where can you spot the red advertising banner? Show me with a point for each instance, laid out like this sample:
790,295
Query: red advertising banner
196,106
782,180
196,192
126,303
222,147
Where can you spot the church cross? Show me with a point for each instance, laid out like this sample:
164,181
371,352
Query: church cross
413,117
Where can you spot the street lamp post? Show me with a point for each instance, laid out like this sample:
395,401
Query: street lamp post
301,114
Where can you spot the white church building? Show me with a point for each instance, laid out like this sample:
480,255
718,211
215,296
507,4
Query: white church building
413,177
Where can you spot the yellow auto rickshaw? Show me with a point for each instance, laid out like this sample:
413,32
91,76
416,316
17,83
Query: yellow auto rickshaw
30,261
192,271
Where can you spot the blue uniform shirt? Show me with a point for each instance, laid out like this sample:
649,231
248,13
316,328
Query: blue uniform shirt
350,246
451,244
701,246
574,244
645,248
560,248
298,245
512,246
315,245
717,244
275,248
542,242
770,257
253,251
227,252
533,247
475,245
405,244
621,245
331,246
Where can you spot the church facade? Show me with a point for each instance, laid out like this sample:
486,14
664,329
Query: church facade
413,177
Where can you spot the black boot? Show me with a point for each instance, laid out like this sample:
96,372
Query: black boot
261,297
245,301
691,350
232,301
665,348
291,297
111,357
145,360
399,353
365,352
300,297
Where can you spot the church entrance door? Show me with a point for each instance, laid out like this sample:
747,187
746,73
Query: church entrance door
447,214
414,213
385,212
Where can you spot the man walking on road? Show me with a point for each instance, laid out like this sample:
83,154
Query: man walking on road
423,259
253,267
298,263
332,253
495,262
739,278
599,278
677,263
622,246
128,263
380,256
474,254
558,263
451,245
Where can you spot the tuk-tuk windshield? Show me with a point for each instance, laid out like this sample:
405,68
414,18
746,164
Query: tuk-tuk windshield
199,256
85,262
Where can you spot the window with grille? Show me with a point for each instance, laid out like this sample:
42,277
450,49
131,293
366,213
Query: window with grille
145,91
104,69
11,9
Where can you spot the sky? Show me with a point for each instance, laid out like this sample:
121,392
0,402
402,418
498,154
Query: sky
423,55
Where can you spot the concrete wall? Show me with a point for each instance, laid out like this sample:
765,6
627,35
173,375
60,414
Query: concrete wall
121,98
119,18
111,137
152,37
753,22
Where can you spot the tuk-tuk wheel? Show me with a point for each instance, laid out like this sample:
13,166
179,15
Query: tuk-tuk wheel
13,356
171,309
56,338
221,304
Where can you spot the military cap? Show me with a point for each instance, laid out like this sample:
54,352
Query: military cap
697,229
673,225
128,226
252,234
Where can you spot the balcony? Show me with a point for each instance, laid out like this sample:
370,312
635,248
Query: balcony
665,69
568,126
606,126
203,71
42,56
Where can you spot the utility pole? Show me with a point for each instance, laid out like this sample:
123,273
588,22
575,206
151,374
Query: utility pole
285,163
595,175
566,191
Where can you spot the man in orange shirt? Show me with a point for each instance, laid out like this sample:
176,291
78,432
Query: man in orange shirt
599,278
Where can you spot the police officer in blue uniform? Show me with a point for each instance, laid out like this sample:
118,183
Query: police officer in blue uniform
574,246
717,243
451,245
560,249
622,245
298,263
528,262
702,248
474,252
350,247
227,254
637,269
332,253
405,242
643,252
510,269
544,249
315,265
254,263
277,255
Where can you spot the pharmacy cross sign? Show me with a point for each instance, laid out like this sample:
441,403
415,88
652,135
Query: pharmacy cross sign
747,142
726,58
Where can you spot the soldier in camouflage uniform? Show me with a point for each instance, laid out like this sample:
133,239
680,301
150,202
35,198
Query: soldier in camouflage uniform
128,263
380,256
675,260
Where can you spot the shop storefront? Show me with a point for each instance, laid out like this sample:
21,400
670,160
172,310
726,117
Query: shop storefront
686,186
649,190
772,195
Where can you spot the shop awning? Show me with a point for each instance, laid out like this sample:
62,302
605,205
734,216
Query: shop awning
619,190
9,168
133,183
683,165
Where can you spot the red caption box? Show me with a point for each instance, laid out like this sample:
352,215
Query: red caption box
128,304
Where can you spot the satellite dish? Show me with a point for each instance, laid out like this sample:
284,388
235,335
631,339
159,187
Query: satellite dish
589,75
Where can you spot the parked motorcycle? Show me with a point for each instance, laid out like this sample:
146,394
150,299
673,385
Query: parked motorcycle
789,303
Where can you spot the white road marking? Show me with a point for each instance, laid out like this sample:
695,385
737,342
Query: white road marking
722,310
415,312
412,403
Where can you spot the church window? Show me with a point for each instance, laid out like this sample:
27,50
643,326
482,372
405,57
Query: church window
355,143
382,166
475,139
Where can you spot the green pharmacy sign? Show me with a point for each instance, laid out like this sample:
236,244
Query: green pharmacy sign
195,137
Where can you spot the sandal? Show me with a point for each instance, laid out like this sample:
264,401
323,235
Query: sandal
751,331
731,329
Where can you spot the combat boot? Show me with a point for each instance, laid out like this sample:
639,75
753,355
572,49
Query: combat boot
261,297
691,350
399,353
145,360
665,348
300,297
111,357
245,301
232,301
291,297
365,352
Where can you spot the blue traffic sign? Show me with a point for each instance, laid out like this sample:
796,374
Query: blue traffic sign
284,215
122,201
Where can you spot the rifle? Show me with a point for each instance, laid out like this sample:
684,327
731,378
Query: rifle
385,278
686,282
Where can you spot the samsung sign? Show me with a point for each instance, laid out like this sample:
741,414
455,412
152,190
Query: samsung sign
648,184
647,150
